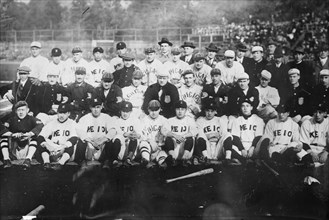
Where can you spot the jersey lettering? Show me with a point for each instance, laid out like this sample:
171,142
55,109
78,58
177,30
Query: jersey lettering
103,129
282,133
65,133
244,127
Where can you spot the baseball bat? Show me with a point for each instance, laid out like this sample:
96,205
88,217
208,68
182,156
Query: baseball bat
270,168
198,173
34,212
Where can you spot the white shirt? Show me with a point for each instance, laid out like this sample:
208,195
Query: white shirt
202,76
229,74
38,66
97,69
268,95
135,95
150,71
70,68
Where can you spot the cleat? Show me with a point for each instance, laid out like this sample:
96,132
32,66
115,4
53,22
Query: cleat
27,163
186,163
7,164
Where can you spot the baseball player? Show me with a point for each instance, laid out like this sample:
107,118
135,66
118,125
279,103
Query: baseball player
98,67
180,135
280,141
152,140
320,93
117,63
131,129
213,142
123,76
24,129
191,94
135,93
201,70
314,135
57,139
100,136
56,65
247,130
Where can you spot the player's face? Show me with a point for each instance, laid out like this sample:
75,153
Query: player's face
165,48
56,60
210,113
77,56
323,54
243,83
180,112
246,108
199,64
96,110
298,57
189,79
211,54
122,51
176,57
188,50
294,78
319,116
98,56
150,57
35,51
127,63
125,115
271,48
62,117
229,61
136,82
264,82
52,79
257,55
79,78
162,80
216,79
22,112
283,116
107,85
23,76
278,60
154,113
240,54
325,80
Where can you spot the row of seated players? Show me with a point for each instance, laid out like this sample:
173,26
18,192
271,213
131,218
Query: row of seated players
44,99
156,140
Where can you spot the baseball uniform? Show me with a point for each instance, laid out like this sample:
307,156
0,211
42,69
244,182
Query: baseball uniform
192,96
97,69
135,95
150,71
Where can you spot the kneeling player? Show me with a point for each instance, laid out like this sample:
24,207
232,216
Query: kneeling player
314,134
152,136
280,141
246,131
57,139
179,142
213,142
24,129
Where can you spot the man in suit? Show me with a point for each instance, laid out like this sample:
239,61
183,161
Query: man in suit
188,56
241,50
322,62
211,59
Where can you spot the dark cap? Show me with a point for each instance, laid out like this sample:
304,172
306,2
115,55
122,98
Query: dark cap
98,49
80,71
243,100
215,71
181,104
63,108
165,40
278,52
209,103
299,50
198,57
76,50
241,47
149,50
319,107
107,77
128,56
282,108
20,104
95,101
126,106
188,71
121,45
175,51
24,70
188,44
137,74
56,52
154,105
212,48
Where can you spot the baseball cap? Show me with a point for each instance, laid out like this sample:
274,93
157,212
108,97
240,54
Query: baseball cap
181,104
271,42
95,101
107,77
243,76
36,44
64,107
257,48
121,45
175,51
137,74
209,103
20,104
126,106
324,72
241,101
24,70
198,57
128,56
319,107
149,50
282,108
76,50
266,74
188,71
98,49
229,53
293,71
56,52
80,71
154,105
215,71
163,72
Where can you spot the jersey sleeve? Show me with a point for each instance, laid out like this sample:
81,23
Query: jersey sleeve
47,130
38,125
304,131
295,132
260,127
193,127
269,128
235,128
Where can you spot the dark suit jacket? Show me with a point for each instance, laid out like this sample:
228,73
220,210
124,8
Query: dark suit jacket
279,75
219,97
123,77
306,73
236,94
317,66
110,102
254,69
191,61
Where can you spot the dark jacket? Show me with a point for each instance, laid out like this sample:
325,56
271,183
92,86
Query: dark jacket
191,61
306,73
320,95
27,124
317,66
79,95
280,76
219,97
254,69
236,95
123,77
111,105
168,99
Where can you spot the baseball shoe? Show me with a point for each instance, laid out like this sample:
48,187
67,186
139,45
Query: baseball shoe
27,163
57,166
130,163
7,164
186,163
200,160
116,163
46,166
163,165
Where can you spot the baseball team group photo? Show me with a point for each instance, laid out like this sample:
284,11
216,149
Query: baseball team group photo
225,119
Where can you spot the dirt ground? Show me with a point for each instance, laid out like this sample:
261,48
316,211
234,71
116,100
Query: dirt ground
230,192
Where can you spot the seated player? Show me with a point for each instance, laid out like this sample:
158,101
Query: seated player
24,129
57,139
130,127
180,135
314,134
280,141
135,93
247,130
99,136
213,142
152,139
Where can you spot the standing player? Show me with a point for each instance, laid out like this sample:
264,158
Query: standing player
56,65
123,76
117,63
98,67
180,136
201,70
57,139
213,142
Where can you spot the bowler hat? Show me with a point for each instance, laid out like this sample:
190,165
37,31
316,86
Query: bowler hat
278,52
165,40
188,44
212,48
241,47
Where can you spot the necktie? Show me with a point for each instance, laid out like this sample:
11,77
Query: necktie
19,91
160,93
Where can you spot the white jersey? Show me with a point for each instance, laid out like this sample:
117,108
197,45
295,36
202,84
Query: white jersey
151,128
202,76
135,95
214,125
129,125
116,63
282,133
248,129
229,74
97,69
268,95
38,66
59,132
191,95
313,133
94,128
182,126
150,71
70,68
57,69
175,69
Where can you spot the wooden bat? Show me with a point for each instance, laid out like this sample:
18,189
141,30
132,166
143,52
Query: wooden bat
33,213
270,168
198,173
